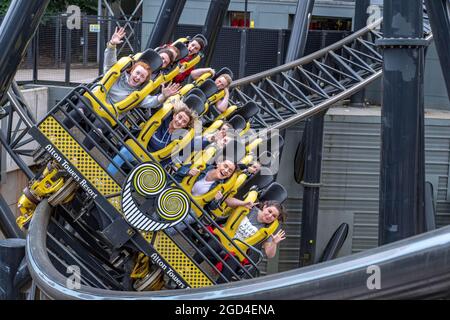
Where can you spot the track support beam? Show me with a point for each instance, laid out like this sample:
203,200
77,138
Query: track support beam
216,13
402,122
165,23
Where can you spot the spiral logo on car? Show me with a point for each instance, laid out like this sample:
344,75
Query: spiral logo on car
173,204
149,179
146,190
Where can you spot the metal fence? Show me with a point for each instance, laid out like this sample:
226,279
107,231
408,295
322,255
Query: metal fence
58,54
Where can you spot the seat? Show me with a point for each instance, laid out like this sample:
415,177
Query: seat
201,36
274,192
199,93
152,58
183,50
247,111
238,123
195,103
208,87
222,71
259,181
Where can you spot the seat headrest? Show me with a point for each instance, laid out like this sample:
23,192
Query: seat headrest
222,71
195,103
209,87
259,180
248,110
199,93
274,192
183,50
203,38
152,58
238,123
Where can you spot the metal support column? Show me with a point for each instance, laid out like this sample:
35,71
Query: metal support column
12,252
402,122
439,14
68,57
359,22
300,28
313,136
214,19
16,31
8,225
165,23
311,188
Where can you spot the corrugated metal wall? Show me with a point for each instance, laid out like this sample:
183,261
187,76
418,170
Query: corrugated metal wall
350,178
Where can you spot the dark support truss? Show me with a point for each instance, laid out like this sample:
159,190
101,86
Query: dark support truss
299,89
214,19
165,23
14,134
439,13
359,22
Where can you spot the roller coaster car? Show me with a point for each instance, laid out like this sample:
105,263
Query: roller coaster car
247,111
184,66
148,130
243,185
275,192
237,122
146,276
183,50
98,97
266,148
234,149
50,183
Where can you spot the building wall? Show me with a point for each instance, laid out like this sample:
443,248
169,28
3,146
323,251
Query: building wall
275,15
350,179
266,14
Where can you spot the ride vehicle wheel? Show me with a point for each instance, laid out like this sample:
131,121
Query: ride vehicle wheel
152,281
64,193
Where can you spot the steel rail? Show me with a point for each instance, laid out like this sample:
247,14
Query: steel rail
417,267
309,58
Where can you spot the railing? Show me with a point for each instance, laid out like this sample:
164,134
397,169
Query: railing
59,55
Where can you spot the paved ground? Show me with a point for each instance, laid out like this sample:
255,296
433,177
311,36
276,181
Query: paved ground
76,75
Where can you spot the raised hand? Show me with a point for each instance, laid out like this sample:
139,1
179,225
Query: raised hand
249,204
170,90
118,35
280,236
193,172
212,71
219,195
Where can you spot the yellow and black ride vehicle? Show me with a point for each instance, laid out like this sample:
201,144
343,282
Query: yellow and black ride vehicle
123,219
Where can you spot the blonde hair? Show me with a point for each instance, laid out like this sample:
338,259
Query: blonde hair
180,106
227,78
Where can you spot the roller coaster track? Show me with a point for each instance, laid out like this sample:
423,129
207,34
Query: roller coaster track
286,95
417,267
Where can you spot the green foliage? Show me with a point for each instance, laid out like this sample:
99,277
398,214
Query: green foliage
60,6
